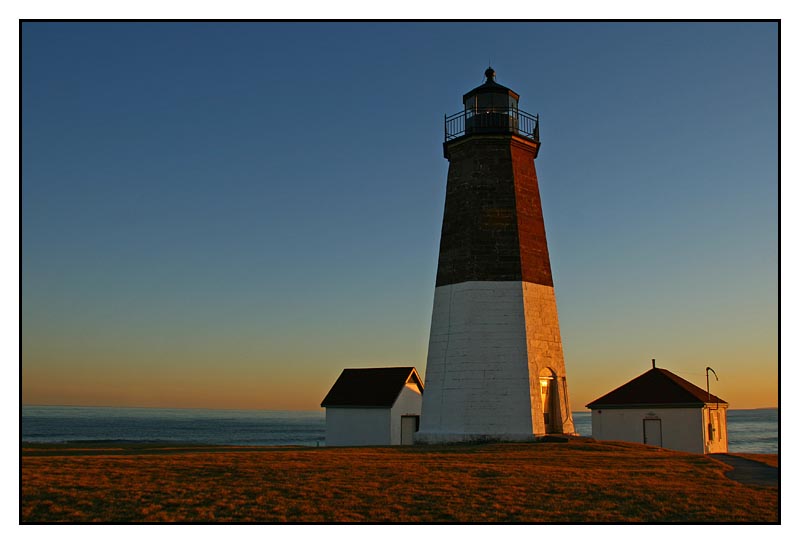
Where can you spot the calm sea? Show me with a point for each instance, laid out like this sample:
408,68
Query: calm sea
139,424
749,430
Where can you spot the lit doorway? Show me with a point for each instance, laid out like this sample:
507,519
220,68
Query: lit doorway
549,393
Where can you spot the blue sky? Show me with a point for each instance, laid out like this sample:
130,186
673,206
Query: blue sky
226,215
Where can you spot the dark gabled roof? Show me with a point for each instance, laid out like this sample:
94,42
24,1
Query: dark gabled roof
370,387
656,387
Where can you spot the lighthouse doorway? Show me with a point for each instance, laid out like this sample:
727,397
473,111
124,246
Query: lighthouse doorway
549,393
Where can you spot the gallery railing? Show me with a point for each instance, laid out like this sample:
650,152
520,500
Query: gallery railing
491,120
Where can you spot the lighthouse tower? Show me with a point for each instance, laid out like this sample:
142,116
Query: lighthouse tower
495,367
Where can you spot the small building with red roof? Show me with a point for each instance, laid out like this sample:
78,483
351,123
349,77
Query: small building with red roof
662,409
373,406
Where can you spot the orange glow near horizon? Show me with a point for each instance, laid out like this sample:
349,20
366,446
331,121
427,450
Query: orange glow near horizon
278,389
173,390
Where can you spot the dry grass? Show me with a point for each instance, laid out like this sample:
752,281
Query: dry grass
579,481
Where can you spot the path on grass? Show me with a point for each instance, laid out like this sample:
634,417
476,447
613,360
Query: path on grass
749,472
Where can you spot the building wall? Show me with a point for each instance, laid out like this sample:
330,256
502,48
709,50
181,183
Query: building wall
479,239
357,426
719,417
409,402
682,429
477,378
545,353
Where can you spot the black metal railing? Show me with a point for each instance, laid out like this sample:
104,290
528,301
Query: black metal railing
491,120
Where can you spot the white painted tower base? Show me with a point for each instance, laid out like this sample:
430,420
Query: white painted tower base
495,347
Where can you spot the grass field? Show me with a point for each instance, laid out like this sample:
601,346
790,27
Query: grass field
578,481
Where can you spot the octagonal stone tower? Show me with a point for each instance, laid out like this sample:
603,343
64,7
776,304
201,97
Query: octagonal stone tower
495,367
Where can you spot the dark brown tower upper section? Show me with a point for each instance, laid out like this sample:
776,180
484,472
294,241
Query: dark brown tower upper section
493,228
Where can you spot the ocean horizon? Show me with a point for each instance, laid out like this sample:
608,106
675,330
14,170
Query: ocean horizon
749,430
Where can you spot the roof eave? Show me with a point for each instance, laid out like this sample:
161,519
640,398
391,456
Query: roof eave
411,375
653,405
350,406
496,88
643,405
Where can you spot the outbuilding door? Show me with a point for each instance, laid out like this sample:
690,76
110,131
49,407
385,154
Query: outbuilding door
408,425
652,432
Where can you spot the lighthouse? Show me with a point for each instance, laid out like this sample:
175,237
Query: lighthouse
495,368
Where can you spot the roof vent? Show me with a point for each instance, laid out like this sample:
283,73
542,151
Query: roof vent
654,363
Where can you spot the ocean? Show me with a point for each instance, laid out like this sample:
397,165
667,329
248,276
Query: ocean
49,424
749,430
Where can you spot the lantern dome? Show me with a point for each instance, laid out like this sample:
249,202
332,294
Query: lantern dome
491,94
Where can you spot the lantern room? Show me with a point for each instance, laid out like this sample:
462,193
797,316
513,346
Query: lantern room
490,97
491,108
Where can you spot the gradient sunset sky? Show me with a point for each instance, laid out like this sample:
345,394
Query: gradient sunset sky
226,215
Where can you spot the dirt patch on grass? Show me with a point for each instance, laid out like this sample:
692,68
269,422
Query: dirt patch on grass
768,459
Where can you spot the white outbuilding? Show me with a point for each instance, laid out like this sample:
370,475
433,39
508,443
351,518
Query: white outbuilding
661,409
373,406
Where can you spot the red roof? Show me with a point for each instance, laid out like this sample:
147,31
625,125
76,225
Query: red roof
656,387
370,387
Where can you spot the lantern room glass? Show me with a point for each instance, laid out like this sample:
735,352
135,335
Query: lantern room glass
491,112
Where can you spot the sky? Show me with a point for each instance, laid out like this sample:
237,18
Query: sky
226,215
